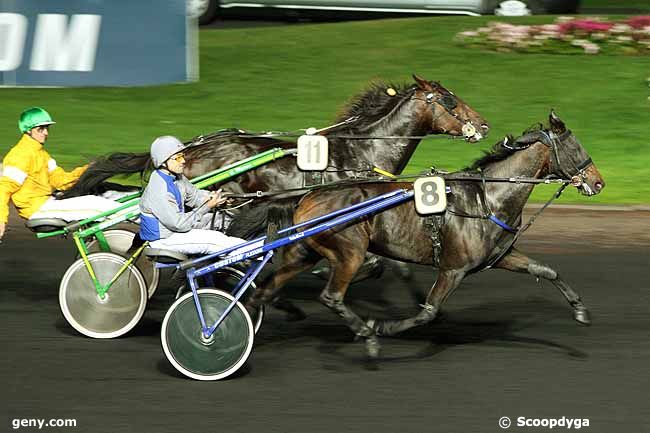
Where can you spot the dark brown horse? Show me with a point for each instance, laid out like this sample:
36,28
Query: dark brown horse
467,244
386,123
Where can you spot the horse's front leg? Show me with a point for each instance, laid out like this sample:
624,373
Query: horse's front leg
516,261
447,281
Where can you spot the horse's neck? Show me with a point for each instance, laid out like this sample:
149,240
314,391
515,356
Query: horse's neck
508,199
392,154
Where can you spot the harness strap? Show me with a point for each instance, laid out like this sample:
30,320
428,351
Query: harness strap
501,223
500,252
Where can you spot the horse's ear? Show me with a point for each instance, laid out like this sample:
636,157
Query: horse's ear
422,83
557,125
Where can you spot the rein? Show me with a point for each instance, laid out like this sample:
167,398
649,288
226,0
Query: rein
395,179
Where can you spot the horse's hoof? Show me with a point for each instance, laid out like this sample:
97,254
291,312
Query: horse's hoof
581,315
373,347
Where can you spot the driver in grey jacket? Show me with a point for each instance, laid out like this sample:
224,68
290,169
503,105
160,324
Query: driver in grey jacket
164,221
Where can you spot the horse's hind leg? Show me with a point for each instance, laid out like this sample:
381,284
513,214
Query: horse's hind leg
516,261
343,270
447,281
296,258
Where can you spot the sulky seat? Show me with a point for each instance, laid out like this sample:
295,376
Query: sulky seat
165,256
45,225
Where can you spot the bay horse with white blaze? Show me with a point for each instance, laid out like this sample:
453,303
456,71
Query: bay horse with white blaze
469,239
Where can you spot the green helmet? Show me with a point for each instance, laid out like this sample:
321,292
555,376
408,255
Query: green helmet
33,117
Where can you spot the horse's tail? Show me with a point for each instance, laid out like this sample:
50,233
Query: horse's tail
264,218
92,181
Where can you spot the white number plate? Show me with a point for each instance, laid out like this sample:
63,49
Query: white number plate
430,195
312,152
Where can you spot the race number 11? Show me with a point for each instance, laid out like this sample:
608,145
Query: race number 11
430,196
312,152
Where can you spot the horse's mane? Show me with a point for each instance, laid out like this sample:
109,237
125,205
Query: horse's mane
499,152
374,103
215,137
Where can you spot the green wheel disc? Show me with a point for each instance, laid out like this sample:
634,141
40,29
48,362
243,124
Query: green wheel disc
203,358
226,279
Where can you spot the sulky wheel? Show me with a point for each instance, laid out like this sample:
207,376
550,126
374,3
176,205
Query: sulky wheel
226,279
122,306
119,241
203,358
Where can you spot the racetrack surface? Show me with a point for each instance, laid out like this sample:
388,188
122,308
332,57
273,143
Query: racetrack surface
504,346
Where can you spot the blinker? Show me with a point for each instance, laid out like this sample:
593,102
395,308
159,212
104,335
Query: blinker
448,102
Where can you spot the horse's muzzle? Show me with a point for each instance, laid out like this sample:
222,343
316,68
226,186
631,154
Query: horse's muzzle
589,182
473,135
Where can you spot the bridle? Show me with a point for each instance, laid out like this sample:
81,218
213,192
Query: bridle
448,102
560,161
578,169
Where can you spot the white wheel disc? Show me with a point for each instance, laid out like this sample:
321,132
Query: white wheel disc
122,306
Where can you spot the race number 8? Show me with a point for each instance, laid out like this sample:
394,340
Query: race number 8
312,152
430,196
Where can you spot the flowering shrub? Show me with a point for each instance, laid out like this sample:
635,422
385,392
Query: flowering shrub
566,36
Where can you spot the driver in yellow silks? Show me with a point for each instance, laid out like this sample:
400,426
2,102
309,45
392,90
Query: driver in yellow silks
30,176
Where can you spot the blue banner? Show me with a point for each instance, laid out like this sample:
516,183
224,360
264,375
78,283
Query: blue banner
96,43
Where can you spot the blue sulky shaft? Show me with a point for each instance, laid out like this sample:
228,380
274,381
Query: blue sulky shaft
332,219
402,193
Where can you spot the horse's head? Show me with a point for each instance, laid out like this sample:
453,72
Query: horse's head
448,113
568,159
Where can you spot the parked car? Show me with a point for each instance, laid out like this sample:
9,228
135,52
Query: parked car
207,10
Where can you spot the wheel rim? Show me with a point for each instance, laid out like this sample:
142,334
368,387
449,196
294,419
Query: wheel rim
226,279
114,315
217,357
119,242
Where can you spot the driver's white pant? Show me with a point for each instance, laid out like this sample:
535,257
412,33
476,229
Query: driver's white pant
198,241
76,208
